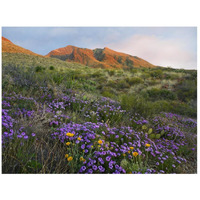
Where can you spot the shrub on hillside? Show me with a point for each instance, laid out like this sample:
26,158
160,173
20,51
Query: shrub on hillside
134,80
122,84
158,74
51,68
186,90
38,69
161,94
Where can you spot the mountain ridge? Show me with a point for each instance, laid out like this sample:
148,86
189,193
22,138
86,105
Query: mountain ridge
96,58
105,58
10,47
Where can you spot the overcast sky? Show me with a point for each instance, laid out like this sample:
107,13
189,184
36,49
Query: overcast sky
165,46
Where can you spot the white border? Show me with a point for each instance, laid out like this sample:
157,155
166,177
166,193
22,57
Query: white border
100,13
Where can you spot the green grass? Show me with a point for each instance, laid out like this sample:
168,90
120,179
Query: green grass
148,91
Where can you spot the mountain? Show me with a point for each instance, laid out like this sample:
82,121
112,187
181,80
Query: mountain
105,58
9,47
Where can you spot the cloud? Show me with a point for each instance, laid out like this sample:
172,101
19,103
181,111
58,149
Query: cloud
158,51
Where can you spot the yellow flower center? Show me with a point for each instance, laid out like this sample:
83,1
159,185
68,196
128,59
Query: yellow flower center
70,159
66,155
100,141
147,145
68,143
135,154
81,158
69,134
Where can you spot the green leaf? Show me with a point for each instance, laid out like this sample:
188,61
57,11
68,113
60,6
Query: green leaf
144,127
162,132
158,136
150,131
152,136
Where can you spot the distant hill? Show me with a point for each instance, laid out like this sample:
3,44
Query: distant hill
9,47
104,58
97,58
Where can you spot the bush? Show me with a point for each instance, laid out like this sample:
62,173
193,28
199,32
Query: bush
38,69
156,74
111,83
111,72
134,80
186,90
161,94
51,68
122,84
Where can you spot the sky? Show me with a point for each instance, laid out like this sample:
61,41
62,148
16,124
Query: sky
164,46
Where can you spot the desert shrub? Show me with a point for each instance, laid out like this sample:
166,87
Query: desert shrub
159,94
134,80
152,82
137,104
186,90
182,109
158,74
111,72
134,71
111,83
39,69
102,80
51,68
145,76
122,84
171,76
96,74
58,78
107,93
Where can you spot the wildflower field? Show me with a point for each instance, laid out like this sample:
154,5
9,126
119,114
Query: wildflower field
60,117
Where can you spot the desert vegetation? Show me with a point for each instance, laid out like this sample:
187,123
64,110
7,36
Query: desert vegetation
64,117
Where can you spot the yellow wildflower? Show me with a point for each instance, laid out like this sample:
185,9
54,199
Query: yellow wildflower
81,158
131,148
124,154
100,141
84,160
135,154
66,155
99,146
147,145
79,138
129,152
68,143
70,159
92,146
69,134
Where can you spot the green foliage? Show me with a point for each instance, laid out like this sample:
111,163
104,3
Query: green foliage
186,90
134,80
161,94
51,68
111,72
122,84
39,69
157,74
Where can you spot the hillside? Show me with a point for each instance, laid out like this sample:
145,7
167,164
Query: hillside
63,117
104,58
9,47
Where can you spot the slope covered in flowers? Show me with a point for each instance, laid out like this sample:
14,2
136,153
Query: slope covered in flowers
73,134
